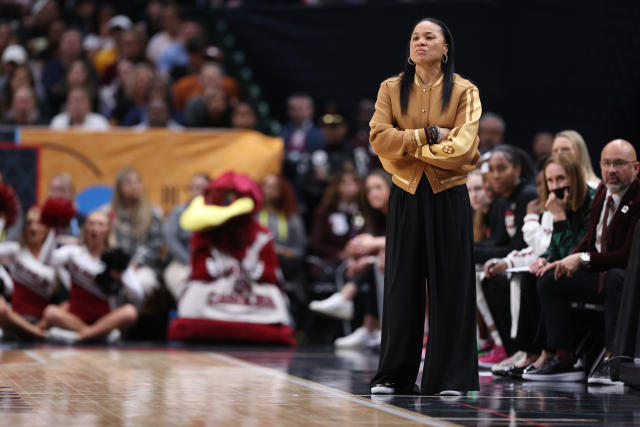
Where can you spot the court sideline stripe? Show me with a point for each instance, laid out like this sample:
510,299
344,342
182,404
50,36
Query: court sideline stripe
420,418
34,356
500,414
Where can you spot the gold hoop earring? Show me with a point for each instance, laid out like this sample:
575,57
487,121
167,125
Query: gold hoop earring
445,58
410,62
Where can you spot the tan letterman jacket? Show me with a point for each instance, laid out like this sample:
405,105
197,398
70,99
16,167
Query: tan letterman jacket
401,143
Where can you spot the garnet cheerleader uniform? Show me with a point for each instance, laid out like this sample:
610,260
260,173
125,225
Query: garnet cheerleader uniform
86,299
33,282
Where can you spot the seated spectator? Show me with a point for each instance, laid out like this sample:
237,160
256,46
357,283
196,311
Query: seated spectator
173,62
571,142
177,238
31,283
337,219
80,73
78,113
210,110
162,40
205,74
244,116
115,93
19,77
510,172
103,295
564,175
491,130
158,116
594,272
13,57
128,45
280,215
61,186
361,127
481,199
50,47
43,13
366,254
55,70
24,109
134,96
542,144
301,138
479,203
137,228
325,162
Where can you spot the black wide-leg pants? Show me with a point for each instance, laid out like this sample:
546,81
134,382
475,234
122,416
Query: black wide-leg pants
429,236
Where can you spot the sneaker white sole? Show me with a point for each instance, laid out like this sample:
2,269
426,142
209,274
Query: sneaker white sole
604,381
450,393
565,376
380,389
330,313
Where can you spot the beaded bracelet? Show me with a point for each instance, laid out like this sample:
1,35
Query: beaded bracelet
433,134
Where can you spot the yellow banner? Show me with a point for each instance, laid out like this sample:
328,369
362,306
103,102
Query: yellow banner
166,160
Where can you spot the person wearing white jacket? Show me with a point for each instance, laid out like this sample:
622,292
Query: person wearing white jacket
536,231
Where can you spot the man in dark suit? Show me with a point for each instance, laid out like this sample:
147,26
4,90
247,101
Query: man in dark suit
301,138
594,272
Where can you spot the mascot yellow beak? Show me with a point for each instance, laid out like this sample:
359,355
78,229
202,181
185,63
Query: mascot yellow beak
199,216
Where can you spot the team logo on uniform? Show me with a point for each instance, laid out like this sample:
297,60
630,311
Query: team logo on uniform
510,223
447,149
339,223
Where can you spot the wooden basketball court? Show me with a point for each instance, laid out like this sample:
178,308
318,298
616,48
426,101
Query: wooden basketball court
97,386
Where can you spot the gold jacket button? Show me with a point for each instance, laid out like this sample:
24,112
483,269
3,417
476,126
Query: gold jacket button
424,111
424,90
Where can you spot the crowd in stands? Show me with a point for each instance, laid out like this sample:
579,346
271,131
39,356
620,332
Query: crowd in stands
549,233
85,65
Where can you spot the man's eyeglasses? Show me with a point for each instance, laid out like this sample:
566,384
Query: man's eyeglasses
616,164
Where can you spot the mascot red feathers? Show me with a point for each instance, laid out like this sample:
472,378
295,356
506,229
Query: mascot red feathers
234,288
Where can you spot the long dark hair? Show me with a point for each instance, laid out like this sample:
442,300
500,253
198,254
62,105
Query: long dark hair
518,157
447,69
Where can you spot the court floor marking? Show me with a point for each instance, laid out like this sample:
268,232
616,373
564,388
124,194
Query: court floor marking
500,414
36,360
419,418
34,356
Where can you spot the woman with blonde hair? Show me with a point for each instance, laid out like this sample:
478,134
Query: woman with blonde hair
137,228
572,142
104,293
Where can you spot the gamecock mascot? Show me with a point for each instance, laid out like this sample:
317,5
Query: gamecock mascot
233,292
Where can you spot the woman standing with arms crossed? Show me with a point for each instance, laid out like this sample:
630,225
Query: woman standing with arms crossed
424,130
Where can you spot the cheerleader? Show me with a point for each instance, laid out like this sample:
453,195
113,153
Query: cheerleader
104,291
30,282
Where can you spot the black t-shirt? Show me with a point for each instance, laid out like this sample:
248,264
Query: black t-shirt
508,216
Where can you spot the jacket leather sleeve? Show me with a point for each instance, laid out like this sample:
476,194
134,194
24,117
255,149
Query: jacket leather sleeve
386,140
460,146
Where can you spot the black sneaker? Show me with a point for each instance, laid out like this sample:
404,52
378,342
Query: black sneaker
516,372
554,369
602,374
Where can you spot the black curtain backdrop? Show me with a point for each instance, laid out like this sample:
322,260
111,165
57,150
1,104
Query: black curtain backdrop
542,66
